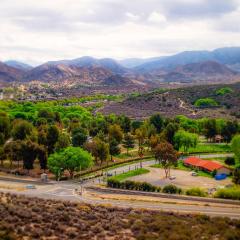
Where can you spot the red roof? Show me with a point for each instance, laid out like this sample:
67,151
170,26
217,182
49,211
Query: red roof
205,164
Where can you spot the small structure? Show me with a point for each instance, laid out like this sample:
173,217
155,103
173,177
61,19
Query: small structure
206,165
218,138
44,177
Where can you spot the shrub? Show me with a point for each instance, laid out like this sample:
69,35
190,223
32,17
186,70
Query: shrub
228,193
205,102
132,185
230,161
223,91
195,191
172,189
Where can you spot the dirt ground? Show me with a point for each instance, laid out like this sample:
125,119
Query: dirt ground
156,176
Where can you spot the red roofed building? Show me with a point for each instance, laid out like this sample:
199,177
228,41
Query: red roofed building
206,165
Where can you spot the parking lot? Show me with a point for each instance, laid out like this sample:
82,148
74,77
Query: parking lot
183,179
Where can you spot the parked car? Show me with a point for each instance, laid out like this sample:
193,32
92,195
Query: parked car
194,174
30,186
172,177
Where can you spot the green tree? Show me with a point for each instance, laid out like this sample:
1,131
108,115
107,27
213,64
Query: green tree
210,129
78,138
166,156
22,130
114,148
236,176
102,150
128,141
170,131
229,130
12,151
29,151
42,156
235,145
157,122
52,138
4,127
63,141
115,132
71,159
185,139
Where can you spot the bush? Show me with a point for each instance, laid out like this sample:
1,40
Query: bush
228,193
196,192
205,102
172,189
230,161
132,185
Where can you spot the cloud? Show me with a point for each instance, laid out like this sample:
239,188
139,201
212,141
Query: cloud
45,30
156,17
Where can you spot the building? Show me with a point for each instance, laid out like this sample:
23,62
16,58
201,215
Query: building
206,165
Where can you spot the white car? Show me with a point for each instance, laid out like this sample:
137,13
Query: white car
172,177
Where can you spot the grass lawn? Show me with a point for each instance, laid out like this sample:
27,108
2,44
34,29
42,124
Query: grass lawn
210,148
132,173
184,168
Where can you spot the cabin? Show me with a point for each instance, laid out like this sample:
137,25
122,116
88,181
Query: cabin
206,165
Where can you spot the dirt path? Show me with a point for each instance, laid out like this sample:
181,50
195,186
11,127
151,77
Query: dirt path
182,105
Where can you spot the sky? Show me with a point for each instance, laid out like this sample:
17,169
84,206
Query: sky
38,31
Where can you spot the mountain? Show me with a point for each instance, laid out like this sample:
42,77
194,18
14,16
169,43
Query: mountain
134,62
18,65
108,63
229,56
76,73
9,74
200,71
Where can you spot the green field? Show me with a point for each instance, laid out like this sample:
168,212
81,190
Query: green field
209,148
123,176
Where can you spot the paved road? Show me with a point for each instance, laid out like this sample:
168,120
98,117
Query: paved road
66,191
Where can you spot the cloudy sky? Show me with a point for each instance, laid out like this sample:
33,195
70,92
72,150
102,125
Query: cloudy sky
38,31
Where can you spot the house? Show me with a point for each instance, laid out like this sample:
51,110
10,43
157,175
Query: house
206,165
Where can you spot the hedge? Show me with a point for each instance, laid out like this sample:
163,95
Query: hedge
132,185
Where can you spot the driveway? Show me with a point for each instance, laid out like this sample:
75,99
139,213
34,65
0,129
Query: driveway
156,176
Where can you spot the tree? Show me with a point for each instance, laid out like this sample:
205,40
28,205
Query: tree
52,137
166,156
114,148
42,157
63,141
170,131
128,141
236,176
140,135
210,129
29,151
125,123
79,139
115,132
154,141
4,127
2,155
22,130
228,130
157,121
235,145
185,139
102,150
71,159
12,151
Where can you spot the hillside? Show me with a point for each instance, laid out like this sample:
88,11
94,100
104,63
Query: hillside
204,71
181,101
9,74
229,56
33,218
18,65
